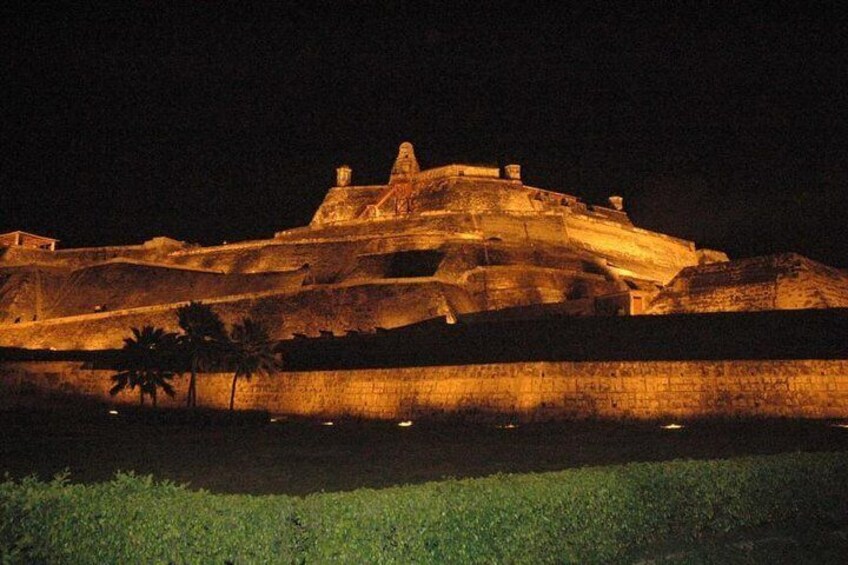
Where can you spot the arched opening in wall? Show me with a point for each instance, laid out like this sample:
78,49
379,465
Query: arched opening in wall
411,264
580,289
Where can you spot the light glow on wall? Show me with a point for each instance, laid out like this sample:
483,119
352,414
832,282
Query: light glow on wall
405,424
327,423
113,412
672,426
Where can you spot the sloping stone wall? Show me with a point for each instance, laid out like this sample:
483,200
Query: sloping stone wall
362,307
812,285
773,282
522,391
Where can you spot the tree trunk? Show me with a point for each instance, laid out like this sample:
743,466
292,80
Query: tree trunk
191,399
154,397
141,397
233,392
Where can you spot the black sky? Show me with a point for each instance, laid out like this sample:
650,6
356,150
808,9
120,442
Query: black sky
722,125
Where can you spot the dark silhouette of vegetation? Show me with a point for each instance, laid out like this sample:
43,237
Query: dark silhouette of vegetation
148,359
203,341
251,352
144,363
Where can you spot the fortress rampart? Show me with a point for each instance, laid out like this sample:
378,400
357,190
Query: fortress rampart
764,364
526,391
440,243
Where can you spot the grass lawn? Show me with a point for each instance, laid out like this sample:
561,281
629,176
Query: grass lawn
252,454
255,455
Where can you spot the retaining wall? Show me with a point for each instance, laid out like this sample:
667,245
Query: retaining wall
522,391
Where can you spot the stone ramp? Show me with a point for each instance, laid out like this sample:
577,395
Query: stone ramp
336,309
127,285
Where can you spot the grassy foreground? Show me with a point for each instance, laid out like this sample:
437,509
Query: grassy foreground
579,515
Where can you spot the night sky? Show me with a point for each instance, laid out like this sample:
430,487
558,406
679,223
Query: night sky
726,126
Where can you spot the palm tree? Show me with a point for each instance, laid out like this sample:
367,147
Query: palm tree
251,353
202,341
145,363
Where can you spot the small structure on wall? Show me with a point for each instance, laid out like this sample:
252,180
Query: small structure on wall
28,240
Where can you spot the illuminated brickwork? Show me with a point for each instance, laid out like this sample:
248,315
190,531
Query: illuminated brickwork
524,391
776,282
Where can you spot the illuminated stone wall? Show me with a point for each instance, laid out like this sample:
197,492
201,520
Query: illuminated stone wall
337,309
774,282
502,244
25,293
499,261
498,244
632,251
523,391
124,285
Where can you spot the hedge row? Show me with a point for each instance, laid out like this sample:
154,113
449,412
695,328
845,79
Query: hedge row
580,515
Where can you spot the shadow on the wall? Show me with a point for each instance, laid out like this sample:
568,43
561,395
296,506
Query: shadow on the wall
785,334
788,334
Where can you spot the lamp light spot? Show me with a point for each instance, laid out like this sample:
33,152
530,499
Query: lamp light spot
672,426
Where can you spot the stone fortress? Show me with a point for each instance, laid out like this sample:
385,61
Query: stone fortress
445,242
452,291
